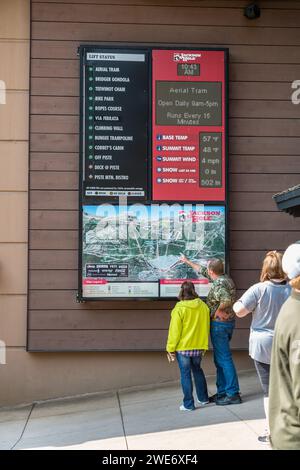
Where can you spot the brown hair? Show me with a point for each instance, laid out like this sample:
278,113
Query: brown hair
272,267
187,291
216,265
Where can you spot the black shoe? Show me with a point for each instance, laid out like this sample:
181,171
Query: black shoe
265,439
234,400
216,397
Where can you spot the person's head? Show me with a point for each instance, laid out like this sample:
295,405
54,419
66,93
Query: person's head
187,291
291,264
272,267
215,268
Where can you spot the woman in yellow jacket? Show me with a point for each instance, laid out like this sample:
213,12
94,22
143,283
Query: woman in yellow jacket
188,341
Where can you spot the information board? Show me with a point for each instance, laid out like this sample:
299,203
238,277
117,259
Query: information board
135,251
153,146
189,125
115,124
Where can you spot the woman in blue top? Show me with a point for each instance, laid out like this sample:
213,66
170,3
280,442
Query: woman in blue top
264,301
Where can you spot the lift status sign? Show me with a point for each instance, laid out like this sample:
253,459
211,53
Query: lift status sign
115,124
188,125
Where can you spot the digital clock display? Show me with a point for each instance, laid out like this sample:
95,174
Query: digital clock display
188,69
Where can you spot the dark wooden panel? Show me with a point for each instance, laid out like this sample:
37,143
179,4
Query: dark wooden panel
249,202
238,53
289,5
159,14
54,105
42,220
264,145
65,200
66,300
98,340
99,320
263,109
264,127
54,279
54,180
264,72
111,319
264,183
50,259
264,164
55,142
146,14
262,221
52,124
168,33
55,68
264,149
53,239
54,161
55,86
262,240
111,340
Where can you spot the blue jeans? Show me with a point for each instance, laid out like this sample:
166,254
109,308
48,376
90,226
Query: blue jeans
187,366
227,380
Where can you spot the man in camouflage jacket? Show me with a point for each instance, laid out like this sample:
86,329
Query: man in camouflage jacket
220,300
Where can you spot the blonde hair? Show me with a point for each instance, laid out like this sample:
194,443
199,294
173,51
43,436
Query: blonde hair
272,267
295,283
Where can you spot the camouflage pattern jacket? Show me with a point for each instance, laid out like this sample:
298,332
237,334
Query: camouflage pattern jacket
223,291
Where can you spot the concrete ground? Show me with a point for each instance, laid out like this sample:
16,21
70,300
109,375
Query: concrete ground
147,418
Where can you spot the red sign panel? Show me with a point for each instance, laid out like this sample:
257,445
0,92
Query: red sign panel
188,125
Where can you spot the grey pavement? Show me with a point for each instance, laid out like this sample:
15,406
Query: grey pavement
144,418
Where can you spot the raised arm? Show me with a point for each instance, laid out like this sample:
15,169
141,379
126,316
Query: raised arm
197,267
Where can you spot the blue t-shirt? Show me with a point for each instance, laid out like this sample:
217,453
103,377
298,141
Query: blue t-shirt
264,300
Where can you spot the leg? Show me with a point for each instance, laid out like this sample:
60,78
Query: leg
222,333
199,379
184,363
263,372
220,379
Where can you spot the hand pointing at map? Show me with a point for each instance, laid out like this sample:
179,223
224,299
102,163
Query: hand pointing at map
185,260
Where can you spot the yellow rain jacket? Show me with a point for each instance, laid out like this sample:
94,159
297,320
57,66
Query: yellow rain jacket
189,326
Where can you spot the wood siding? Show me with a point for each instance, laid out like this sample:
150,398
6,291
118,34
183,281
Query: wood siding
264,140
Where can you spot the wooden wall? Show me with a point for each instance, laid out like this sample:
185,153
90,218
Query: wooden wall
264,152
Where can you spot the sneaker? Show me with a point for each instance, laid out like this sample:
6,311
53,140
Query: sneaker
234,400
203,403
265,439
215,397
183,408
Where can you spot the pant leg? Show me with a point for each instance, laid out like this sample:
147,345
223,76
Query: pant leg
220,378
184,363
199,379
263,372
221,334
